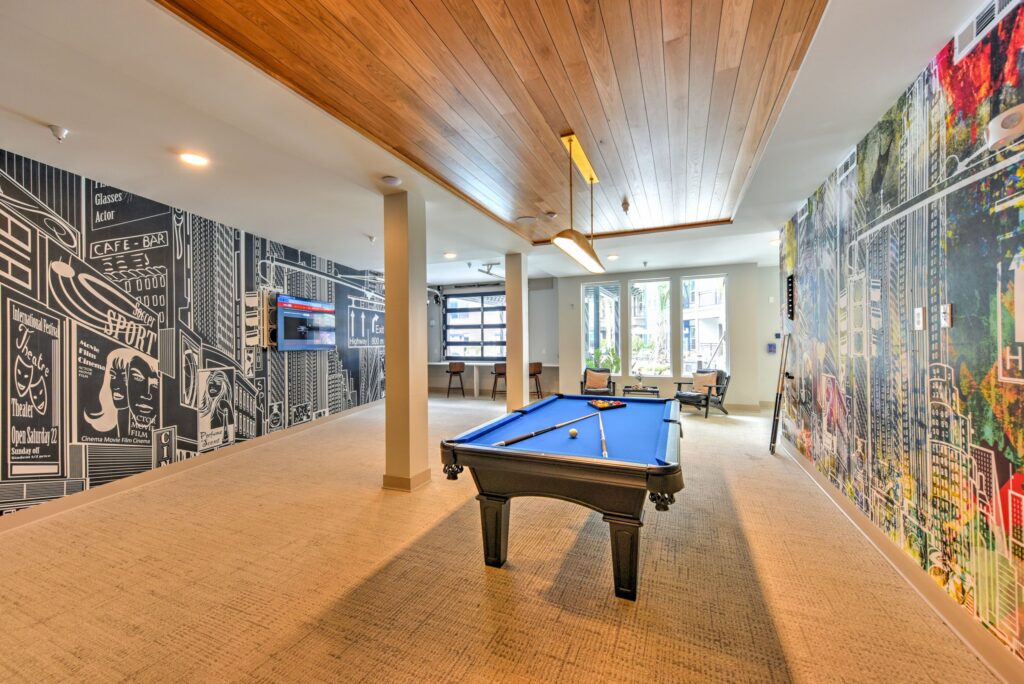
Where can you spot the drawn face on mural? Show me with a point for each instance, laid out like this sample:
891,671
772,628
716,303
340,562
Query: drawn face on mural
130,390
189,377
143,385
118,387
31,371
215,385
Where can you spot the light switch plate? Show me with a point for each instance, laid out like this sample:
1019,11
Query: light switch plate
919,318
946,315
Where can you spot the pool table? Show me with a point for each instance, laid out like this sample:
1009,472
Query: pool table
642,441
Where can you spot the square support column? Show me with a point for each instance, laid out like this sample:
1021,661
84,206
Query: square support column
405,342
517,330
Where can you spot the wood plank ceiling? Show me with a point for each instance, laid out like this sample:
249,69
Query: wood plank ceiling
672,100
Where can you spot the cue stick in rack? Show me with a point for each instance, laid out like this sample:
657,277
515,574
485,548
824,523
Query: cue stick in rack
520,438
604,445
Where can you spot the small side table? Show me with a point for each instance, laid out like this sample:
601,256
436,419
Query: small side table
637,389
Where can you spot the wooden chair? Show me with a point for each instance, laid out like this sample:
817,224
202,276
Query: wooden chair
498,372
535,370
455,370
711,394
607,387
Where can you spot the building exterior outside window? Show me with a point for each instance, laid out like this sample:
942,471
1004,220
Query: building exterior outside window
650,347
601,326
703,326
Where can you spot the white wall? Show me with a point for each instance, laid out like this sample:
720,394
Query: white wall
744,300
768,324
544,320
433,329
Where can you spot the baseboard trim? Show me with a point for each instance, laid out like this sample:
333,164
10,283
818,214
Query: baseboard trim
749,408
996,656
406,484
64,504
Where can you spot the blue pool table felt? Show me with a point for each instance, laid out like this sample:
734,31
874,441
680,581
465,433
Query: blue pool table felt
635,434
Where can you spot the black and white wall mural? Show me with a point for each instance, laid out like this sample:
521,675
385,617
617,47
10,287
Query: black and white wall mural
130,335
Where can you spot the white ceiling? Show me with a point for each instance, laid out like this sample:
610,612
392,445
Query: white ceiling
135,85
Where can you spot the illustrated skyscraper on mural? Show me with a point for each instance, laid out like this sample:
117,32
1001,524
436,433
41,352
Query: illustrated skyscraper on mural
128,339
919,423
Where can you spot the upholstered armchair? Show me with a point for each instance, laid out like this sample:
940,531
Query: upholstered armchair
597,381
707,389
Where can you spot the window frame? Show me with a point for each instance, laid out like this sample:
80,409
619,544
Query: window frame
671,361
618,322
726,354
481,326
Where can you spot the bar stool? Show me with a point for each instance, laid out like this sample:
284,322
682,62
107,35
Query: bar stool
456,369
535,370
498,372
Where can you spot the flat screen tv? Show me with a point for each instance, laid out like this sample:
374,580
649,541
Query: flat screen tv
304,324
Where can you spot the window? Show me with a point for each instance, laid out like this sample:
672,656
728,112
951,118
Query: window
650,352
474,326
601,326
703,337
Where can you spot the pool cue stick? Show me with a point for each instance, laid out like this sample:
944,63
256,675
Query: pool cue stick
780,390
604,446
520,438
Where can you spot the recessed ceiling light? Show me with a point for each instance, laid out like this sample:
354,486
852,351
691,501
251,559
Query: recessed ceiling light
525,220
193,159
449,255
393,181
612,257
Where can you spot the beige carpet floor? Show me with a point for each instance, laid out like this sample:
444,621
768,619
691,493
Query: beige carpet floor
287,562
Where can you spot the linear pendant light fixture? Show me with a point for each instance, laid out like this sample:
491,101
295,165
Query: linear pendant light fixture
570,240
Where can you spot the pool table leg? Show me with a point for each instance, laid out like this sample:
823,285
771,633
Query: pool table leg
625,536
494,513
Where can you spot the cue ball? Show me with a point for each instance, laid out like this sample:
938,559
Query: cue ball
573,432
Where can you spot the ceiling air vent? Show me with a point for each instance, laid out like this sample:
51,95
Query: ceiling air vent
985,18
969,36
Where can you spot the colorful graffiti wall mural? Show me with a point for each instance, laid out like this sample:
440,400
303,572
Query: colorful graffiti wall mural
916,417
130,339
